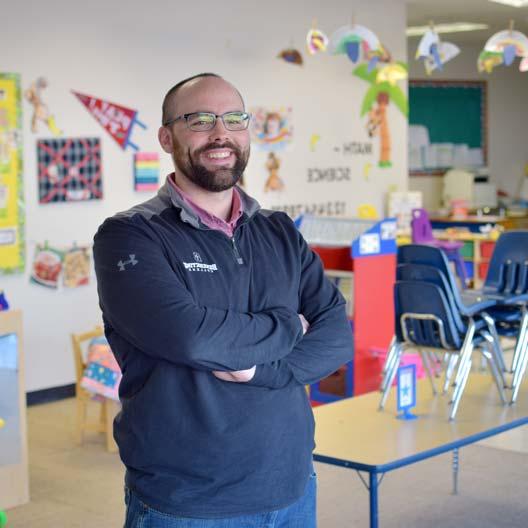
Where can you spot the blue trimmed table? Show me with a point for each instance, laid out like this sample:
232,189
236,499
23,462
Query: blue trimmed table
352,433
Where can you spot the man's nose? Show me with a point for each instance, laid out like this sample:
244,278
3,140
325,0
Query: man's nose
219,131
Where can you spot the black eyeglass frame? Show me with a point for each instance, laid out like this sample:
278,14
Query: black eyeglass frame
213,124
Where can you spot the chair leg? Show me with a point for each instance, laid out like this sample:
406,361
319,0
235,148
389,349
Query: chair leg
465,353
392,357
518,374
80,420
427,366
523,327
490,323
451,365
390,377
495,355
457,395
495,371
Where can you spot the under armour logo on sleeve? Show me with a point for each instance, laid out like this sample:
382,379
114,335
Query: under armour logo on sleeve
123,263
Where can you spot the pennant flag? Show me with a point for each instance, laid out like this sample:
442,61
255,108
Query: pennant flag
117,120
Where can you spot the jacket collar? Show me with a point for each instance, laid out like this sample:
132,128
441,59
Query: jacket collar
188,215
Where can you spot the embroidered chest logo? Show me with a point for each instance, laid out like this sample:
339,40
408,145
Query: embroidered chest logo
198,264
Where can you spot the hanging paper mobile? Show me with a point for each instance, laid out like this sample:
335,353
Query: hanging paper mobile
316,40
502,48
274,181
435,53
352,40
291,55
117,120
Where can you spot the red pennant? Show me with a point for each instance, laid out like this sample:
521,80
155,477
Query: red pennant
117,120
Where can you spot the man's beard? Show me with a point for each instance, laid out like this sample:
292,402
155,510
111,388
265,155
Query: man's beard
216,180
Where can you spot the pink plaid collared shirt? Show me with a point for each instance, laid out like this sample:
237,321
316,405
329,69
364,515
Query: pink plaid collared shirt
212,221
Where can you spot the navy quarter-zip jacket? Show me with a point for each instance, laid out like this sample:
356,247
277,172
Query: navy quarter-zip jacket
180,300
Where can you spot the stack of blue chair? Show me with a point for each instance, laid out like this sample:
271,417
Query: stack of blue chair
433,316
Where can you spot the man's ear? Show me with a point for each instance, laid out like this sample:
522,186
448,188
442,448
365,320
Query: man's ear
165,139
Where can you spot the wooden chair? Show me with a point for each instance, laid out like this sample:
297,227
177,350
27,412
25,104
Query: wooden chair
109,408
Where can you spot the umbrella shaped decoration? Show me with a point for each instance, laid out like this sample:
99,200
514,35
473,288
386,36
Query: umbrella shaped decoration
291,55
502,48
354,41
316,41
435,53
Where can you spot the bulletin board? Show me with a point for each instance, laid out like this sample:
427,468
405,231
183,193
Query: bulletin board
11,187
452,111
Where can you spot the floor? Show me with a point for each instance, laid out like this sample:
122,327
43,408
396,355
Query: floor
81,487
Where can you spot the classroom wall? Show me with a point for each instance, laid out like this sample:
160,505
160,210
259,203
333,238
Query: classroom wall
507,117
131,53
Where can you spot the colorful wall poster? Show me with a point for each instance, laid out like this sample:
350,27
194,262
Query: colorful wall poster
12,219
146,171
271,128
76,267
116,119
69,170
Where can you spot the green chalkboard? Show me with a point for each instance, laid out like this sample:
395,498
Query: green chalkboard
452,111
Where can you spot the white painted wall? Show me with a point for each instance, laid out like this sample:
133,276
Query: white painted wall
507,117
131,53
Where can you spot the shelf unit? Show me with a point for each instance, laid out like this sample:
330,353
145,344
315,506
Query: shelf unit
360,256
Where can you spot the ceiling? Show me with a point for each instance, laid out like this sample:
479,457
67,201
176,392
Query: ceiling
497,16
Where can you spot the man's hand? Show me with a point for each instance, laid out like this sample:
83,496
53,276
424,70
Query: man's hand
238,376
305,323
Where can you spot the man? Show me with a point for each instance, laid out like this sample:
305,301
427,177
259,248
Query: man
218,314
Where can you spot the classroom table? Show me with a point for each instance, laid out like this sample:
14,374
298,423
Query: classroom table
352,433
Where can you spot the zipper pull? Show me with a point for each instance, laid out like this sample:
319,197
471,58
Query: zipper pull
239,259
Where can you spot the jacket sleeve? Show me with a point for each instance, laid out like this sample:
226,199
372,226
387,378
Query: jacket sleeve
328,343
148,304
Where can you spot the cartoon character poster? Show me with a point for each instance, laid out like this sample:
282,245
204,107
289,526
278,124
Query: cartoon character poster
12,253
271,128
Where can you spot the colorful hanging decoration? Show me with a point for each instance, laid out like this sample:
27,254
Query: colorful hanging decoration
102,375
146,171
316,40
271,129
12,217
76,267
503,48
274,181
69,170
117,120
291,55
356,42
47,266
40,110
435,53
382,91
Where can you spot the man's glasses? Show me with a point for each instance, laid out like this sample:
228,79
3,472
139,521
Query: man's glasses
203,121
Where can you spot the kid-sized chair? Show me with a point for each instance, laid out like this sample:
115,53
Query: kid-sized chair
108,408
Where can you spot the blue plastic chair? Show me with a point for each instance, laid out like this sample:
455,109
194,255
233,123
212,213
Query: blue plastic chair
425,319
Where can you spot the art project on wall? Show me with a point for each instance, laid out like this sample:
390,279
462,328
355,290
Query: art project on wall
40,110
502,48
12,252
271,128
102,374
47,266
76,267
435,53
146,171
69,170
274,181
382,91
116,119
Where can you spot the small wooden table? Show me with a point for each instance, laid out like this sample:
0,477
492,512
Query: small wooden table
352,433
